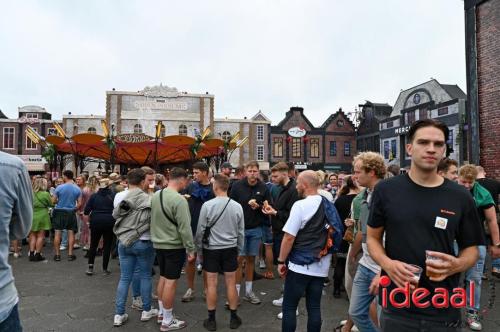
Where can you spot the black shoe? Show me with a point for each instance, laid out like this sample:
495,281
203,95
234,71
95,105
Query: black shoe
39,257
57,258
32,256
71,257
90,271
326,282
106,272
235,322
210,325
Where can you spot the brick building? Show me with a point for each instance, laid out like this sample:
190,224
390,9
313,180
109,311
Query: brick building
368,133
482,42
329,147
15,141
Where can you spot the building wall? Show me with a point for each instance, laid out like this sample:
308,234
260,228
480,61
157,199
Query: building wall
488,81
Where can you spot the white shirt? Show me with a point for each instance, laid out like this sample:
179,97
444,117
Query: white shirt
302,211
119,197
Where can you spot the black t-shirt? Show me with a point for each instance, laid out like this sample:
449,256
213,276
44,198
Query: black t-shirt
417,219
343,205
242,192
493,186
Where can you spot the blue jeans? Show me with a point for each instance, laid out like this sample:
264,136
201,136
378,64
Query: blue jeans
64,238
253,238
296,284
140,254
359,308
495,263
475,274
136,282
12,322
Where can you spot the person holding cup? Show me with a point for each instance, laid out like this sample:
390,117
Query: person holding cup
418,211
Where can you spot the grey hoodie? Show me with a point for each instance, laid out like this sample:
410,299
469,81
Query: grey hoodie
131,223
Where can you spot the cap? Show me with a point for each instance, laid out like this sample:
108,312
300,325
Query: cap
114,177
227,165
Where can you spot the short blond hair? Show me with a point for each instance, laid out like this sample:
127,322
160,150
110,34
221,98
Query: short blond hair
468,172
371,161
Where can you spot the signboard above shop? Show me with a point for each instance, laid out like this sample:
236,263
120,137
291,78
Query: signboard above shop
296,132
401,130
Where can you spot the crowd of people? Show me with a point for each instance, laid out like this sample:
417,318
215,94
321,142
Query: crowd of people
376,222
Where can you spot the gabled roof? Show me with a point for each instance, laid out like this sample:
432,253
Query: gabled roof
260,117
290,113
2,116
454,91
334,116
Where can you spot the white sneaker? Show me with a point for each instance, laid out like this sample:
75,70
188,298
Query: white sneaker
262,264
175,324
17,255
136,303
147,315
278,302
188,296
120,319
280,315
252,298
62,247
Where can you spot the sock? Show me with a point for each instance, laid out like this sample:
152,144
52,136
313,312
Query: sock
160,308
248,287
211,314
238,287
167,316
233,314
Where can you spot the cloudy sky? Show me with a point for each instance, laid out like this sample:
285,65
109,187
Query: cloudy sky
252,55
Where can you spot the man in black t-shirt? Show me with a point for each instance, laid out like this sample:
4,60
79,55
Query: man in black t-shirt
197,193
422,213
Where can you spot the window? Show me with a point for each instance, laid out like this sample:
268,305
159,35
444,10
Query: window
8,137
410,117
314,148
442,111
386,149
52,131
92,130
226,135
422,114
450,139
347,149
360,145
278,147
160,100
183,131
333,148
30,145
260,152
162,130
390,124
393,153
296,147
260,133
137,129
32,115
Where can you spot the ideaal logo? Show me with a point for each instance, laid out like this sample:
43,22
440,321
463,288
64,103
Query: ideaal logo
419,297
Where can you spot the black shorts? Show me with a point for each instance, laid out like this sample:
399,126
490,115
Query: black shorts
171,262
64,219
220,260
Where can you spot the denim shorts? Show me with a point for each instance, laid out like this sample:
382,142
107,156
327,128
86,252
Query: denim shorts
253,238
267,235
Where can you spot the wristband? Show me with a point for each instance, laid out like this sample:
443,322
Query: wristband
280,262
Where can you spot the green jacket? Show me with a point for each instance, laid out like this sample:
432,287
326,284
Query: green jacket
482,196
356,208
164,234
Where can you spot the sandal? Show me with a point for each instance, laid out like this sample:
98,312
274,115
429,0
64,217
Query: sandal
268,275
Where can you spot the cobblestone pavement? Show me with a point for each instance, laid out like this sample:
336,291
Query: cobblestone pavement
58,296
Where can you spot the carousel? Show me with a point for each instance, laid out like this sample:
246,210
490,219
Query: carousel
134,150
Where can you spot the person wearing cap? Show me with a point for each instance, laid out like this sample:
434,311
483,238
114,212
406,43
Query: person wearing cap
100,209
115,186
226,169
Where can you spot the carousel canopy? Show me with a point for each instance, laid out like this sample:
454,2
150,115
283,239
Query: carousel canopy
139,148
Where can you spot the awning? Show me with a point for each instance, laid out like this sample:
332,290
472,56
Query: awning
35,167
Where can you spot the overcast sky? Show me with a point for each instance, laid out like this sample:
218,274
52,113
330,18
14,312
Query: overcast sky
252,55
